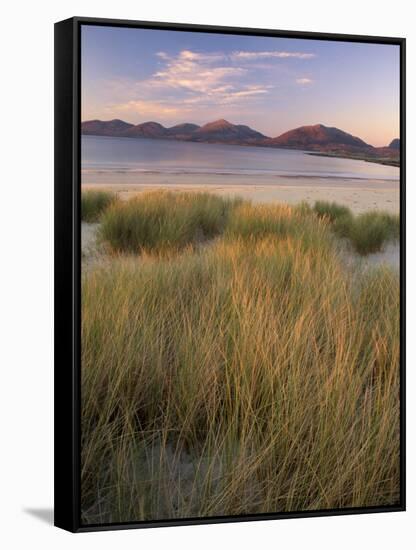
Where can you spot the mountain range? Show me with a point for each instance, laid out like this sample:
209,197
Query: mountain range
219,131
317,138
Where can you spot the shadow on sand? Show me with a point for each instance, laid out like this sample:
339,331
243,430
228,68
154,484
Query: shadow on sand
42,514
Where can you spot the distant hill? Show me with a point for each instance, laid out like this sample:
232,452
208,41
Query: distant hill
219,131
182,130
224,132
395,144
114,128
318,138
146,130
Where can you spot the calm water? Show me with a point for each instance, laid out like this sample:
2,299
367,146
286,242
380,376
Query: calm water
125,155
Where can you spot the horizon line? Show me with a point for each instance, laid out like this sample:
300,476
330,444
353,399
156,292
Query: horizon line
233,124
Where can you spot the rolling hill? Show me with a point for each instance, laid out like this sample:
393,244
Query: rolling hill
224,132
318,137
219,131
113,128
395,144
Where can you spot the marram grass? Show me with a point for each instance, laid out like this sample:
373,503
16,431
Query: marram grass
254,374
163,221
94,203
367,232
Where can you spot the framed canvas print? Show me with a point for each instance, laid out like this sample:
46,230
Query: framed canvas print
229,303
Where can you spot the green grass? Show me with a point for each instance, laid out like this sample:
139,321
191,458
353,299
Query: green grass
164,221
371,230
331,210
94,204
253,375
367,232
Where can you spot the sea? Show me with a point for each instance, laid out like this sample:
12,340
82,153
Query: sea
110,159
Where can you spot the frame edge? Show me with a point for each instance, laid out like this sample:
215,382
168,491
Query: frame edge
67,390
66,395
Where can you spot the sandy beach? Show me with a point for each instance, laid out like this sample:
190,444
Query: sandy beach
360,195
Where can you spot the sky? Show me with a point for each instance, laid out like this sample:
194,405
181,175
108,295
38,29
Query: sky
270,84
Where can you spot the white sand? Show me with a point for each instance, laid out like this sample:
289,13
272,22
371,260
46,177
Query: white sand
389,257
93,252
88,237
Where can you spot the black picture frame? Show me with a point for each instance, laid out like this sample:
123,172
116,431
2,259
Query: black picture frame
68,258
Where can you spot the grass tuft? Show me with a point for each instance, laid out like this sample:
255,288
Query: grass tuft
331,210
164,221
94,204
367,232
371,230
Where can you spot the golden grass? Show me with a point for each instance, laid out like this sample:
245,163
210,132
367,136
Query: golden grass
252,375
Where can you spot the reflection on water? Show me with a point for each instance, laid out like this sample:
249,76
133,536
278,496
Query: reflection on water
121,155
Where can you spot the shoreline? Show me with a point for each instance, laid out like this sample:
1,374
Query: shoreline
384,161
111,174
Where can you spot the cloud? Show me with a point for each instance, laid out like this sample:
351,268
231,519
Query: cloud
251,91
221,77
172,106
147,108
239,55
210,57
194,72
304,81
243,55
193,77
194,83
